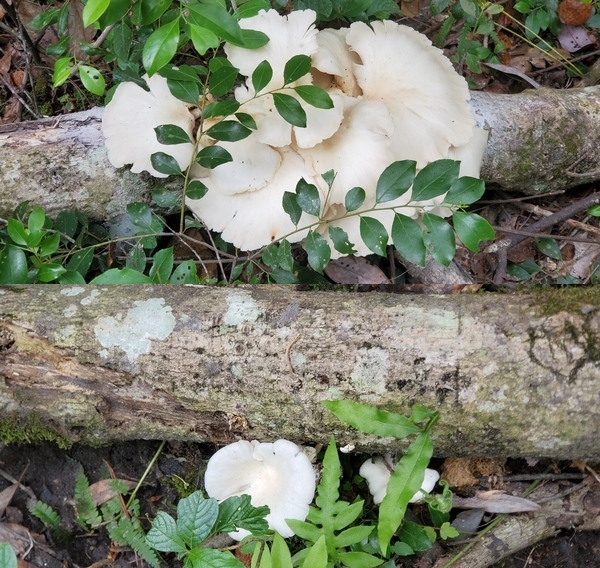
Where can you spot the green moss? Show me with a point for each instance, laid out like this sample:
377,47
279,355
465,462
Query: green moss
31,429
550,300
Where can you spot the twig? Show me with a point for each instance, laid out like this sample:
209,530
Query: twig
537,210
19,98
528,234
287,353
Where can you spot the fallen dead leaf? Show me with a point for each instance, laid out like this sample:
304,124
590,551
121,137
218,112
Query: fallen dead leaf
15,535
495,502
6,496
410,8
355,270
574,38
102,491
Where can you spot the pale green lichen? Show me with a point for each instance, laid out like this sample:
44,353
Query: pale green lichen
242,308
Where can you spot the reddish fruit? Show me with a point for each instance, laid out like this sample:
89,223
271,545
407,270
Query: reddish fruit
574,12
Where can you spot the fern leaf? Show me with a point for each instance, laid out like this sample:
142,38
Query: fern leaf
87,513
129,532
46,514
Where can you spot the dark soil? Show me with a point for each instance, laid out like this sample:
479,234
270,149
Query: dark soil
49,474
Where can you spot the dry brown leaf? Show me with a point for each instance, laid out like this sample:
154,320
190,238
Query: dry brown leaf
6,496
495,502
584,257
77,32
15,535
410,8
6,60
102,492
355,270
17,78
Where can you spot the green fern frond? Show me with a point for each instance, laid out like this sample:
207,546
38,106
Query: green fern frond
87,513
129,532
46,514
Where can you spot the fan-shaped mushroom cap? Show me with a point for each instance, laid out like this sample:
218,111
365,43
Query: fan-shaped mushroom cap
253,219
278,475
333,64
294,34
471,153
426,97
129,120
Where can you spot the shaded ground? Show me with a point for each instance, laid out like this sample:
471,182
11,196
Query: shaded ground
50,473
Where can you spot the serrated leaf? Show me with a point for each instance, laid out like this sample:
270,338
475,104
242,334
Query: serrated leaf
93,10
374,235
161,46
318,251
465,190
340,240
290,109
448,531
439,238
211,558
220,108
195,190
164,536
228,131
395,181
404,482
262,75
218,20
472,229
213,156
354,199
372,420
195,518
407,236
237,512
548,247
314,96
170,134
296,67
13,265
92,79
308,197
435,179
291,207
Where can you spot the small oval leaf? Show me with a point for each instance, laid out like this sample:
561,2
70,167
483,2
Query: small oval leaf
229,131
165,164
170,134
314,96
395,180
213,156
262,75
296,67
308,197
318,251
354,198
290,109
374,235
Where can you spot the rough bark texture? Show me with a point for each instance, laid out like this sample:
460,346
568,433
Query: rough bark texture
511,375
539,141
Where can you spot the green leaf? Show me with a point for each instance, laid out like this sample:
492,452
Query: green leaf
92,79
17,232
317,555
49,272
165,164
308,197
213,156
44,19
246,120
407,236
374,235
371,420
164,536
262,75
59,48
49,244
170,134
222,78
270,257
329,177
202,39
465,190
211,558
228,131
167,198
162,266
359,559
251,8
284,255
280,553
220,108
340,240
548,247
139,214
237,512
218,20
254,39
66,222
290,109
291,207
121,276
472,229
185,273
115,12
304,530
93,10
196,517
196,190
81,261
415,536
440,238
594,211
62,71
318,251
405,481
161,47
8,558
435,179
151,10
352,536
13,265
314,96
448,531
296,67
395,181
402,549
36,220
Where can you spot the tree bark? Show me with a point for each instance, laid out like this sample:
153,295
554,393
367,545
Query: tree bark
512,375
540,141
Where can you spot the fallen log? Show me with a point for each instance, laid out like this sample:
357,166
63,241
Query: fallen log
512,375
540,141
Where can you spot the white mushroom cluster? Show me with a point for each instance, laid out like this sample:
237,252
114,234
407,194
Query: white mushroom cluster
395,97
276,474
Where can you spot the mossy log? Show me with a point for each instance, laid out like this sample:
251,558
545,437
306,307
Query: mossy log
540,141
511,374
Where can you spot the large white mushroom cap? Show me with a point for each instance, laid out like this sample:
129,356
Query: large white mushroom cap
426,97
129,120
279,475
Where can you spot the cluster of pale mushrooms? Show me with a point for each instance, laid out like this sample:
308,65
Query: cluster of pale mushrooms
281,476
396,97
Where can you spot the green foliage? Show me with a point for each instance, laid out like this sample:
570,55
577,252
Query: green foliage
8,558
46,514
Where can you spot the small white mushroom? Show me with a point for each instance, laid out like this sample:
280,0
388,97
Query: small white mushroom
377,471
279,475
129,120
